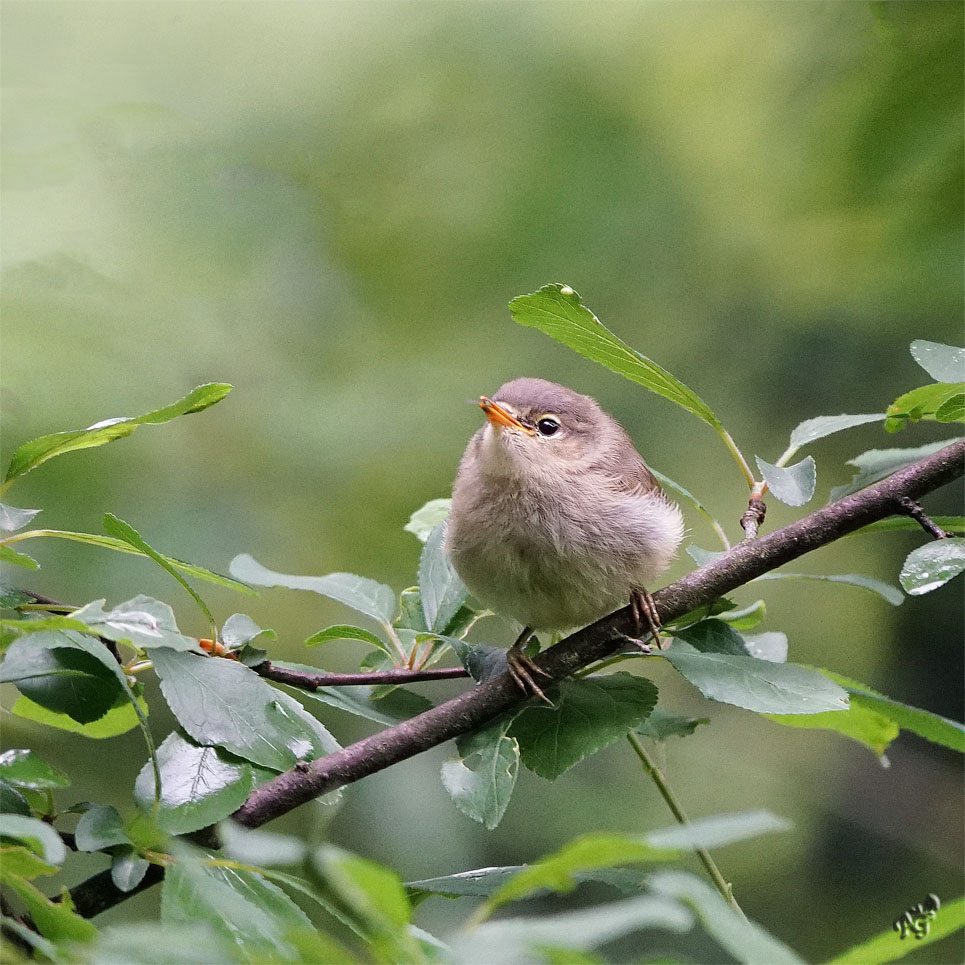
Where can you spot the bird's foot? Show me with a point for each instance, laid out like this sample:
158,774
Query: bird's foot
522,668
634,642
646,619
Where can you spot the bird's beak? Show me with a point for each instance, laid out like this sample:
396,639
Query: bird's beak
500,418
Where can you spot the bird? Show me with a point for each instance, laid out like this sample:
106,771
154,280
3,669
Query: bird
555,519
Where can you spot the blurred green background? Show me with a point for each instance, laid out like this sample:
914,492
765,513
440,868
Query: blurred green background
330,204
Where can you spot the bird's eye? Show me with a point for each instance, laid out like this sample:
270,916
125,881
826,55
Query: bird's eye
547,426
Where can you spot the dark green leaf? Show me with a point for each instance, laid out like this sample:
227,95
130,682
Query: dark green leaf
240,630
100,827
144,621
24,768
889,946
37,835
128,869
944,363
558,311
223,702
923,403
12,518
952,409
875,464
825,425
661,724
588,714
759,685
8,555
12,801
424,520
481,780
241,906
930,566
793,485
411,615
886,591
441,590
62,679
744,940
33,453
367,596
199,785
712,636
118,720
343,631
12,597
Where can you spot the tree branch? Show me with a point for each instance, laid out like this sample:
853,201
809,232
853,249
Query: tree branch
312,681
469,710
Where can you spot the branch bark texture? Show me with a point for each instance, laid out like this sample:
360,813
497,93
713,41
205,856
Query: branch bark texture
475,707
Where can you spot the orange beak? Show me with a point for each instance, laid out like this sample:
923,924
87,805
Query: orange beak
500,418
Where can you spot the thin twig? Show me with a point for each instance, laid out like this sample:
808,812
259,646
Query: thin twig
312,681
913,509
666,792
752,517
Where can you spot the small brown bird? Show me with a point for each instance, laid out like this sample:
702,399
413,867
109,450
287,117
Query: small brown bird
556,519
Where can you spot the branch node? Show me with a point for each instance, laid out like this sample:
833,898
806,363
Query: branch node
910,507
753,516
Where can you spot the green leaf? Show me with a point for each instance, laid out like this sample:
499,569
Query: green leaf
41,624
118,720
886,591
747,617
859,723
33,453
924,402
661,725
223,702
342,631
557,311
24,863
146,622
367,596
889,946
716,831
100,827
8,555
481,661
589,714
875,464
62,679
424,520
37,835
811,430
151,943
743,939
199,785
516,939
410,615
479,883
770,645
128,869
12,597
952,409
24,768
930,566
758,685
441,590
939,730
240,630
55,920
481,780
241,906
12,801
259,847
712,636
793,485
12,518
944,363
373,894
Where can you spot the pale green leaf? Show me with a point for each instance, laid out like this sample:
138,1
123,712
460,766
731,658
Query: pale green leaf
825,425
8,555
441,590
342,631
240,630
55,920
256,847
951,524
925,402
930,566
100,826
557,311
944,363
146,622
367,596
793,485
118,720
425,519
481,780
37,835
24,768
886,591
12,518
875,464
128,868
662,724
